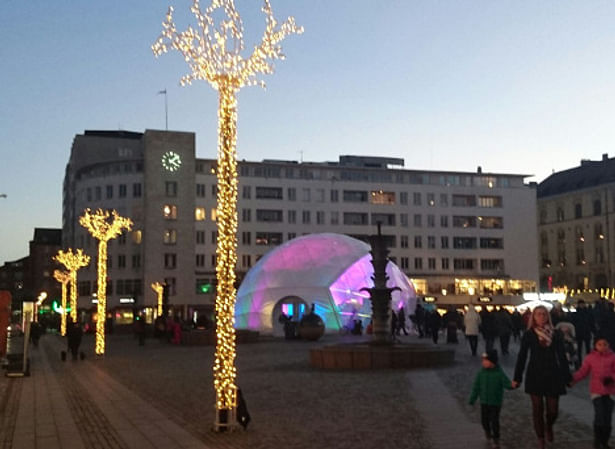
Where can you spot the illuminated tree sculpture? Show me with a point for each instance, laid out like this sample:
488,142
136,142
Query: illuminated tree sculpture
73,262
63,278
159,289
214,55
104,226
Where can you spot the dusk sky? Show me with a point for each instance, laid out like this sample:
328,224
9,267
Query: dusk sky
512,86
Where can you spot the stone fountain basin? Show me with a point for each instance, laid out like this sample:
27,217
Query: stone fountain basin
366,356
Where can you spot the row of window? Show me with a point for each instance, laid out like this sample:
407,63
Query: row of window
372,197
122,287
458,264
577,213
136,236
478,180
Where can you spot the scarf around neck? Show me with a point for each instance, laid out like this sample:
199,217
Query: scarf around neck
544,334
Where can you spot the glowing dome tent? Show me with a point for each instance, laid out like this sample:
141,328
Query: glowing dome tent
324,270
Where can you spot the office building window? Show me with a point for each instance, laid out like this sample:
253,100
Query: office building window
320,217
171,286
431,221
136,261
200,237
384,219
305,195
306,217
319,195
246,238
405,264
489,201
292,235
246,192
170,261
109,192
335,218
200,190
292,216
136,190
403,197
431,199
170,188
200,260
403,241
246,215
464,200
443,199
97,193
416,198
444,221
444,242
214,237
334,196
380,197
355,196
292,194
269,215
464,264
246,261
268,238
355,218
431,242
418,220
444,263
431,263
403,220
269,193
121,261
170,236
199,213
169,212
418,263
418,241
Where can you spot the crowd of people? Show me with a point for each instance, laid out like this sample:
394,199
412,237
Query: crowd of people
544,366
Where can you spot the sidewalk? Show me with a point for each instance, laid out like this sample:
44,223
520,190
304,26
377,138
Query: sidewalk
73,405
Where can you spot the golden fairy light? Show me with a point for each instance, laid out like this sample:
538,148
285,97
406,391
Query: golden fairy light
214,55
159,289
104,226
73,262
63,278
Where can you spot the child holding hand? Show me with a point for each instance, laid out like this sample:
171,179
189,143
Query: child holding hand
600,364
489,386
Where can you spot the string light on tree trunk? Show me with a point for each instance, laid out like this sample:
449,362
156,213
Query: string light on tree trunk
63,278
215,55
159,289
73,262
103,226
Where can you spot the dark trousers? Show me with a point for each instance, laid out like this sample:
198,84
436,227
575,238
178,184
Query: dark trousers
434,335
504,343
603,411
489,341
490,419
473,339
583,341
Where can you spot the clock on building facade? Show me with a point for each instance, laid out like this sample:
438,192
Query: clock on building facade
171,161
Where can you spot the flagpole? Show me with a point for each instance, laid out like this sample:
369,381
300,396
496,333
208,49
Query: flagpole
166,109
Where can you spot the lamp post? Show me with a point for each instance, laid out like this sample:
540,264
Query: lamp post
41,297
158,288
214,55
63,278
73,262
104,226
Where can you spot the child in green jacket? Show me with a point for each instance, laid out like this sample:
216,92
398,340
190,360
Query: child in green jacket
489,387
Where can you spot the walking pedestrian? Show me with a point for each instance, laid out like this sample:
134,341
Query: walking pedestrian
434,323
488,387
584,326
451,323
401,321
73,338
504,326
547,371
471,322
488,328
600,365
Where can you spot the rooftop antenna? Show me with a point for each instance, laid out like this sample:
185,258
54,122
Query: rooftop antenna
301,156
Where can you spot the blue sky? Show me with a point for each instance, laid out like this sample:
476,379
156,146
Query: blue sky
513,86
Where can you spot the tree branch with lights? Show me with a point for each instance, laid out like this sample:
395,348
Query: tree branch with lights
63,277
214,55
73,262
103,226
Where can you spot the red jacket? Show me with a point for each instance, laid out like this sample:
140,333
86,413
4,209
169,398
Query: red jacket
601,366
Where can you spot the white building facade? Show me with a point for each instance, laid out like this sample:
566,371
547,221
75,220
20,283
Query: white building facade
456,234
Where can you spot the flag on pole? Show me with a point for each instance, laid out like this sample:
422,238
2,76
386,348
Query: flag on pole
162,92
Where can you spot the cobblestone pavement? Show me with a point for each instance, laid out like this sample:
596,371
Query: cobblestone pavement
292,405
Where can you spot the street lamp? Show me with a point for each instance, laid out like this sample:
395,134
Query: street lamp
41,297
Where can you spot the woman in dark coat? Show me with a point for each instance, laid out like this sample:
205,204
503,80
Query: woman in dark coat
547,371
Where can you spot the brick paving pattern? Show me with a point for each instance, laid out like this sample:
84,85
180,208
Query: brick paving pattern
161,396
